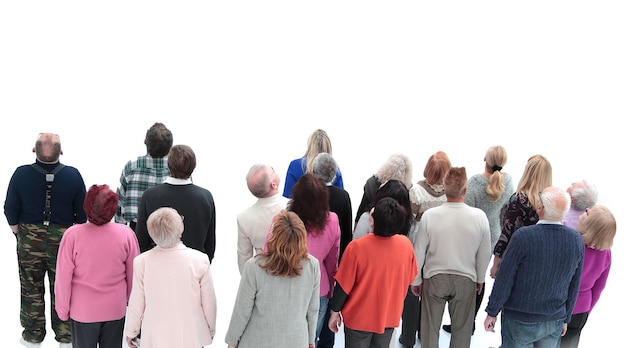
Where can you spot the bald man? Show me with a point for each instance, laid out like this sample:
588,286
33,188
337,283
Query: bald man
254,222
43,200
537,283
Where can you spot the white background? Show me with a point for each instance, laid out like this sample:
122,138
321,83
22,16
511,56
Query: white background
247,81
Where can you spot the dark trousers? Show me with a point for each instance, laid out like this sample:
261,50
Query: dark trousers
410,319
327,337
106,334
575,326
366,339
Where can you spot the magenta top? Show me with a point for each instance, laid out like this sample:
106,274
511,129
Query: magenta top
596,267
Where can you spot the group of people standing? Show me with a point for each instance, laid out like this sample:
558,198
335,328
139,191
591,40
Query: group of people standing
134,265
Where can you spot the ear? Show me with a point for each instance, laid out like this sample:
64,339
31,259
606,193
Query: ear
33,150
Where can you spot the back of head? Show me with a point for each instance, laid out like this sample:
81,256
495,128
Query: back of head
537,176
436,168
286,246
325,167
100,204
165,226
259,180
397,190
48,147
309,199
455,182
598,228
556,203
181,161
584,195
389,217
158,140
495,159
318,142
397,167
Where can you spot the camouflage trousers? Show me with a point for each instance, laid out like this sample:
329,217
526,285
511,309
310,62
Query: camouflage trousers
37,247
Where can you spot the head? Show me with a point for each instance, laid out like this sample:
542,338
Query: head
309,199
584,195
397,190
436,168
318,142
48,148
598,227
165,227
158,140
287,245
455,184
325,167
495,158
397,167
388,217
536,177
181,161
554,203
100,204
262,181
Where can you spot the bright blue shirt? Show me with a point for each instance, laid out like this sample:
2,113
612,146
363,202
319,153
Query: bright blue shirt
296,169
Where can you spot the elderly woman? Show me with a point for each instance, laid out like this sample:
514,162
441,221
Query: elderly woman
278,298
173,299
94,273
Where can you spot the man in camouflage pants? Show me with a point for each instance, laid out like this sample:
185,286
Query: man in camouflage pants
39,207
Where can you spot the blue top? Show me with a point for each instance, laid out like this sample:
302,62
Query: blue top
26,196
539,276
296,169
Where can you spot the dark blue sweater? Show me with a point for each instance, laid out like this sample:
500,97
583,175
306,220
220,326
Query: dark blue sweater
26,196
539,276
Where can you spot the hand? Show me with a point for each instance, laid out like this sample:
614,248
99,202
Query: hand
490,324
131,342
334,322
479,288
564,331
495,267
229,346
416,290
311,345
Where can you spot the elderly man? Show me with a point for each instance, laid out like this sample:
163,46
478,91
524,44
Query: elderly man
453,243
584,196
254,222
537,283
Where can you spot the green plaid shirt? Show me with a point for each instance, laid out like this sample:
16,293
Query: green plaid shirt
138,176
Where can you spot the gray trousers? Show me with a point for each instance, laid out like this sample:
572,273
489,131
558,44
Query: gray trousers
459,293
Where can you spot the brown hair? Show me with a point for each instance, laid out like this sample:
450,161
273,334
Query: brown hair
455,182
181,161
309,199
436,168
286,247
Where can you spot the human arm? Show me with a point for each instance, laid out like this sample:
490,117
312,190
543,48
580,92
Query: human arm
515,214
208,298
133,251
490,323
314,301
244,303
294,171
335,320
141,230
244,247
121,197
137,302
209,243
64,274
600,283
362,226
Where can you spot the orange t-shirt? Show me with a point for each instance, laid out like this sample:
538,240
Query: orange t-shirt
376,272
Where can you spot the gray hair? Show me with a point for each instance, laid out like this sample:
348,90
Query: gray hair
259,178
325,167
397,167
165,226
553,209
586,196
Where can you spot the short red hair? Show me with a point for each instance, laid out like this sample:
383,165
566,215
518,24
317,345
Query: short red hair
100,204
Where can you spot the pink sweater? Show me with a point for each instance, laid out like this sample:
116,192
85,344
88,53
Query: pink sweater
596,267
94,272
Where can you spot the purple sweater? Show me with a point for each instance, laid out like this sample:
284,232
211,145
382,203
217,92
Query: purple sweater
596,267
95,272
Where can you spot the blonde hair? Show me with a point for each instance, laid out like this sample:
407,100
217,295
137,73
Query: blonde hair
397,167
436,168
537,176
318,142
598,229
495,159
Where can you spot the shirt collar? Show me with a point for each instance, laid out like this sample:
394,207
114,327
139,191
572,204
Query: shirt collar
176,181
